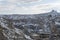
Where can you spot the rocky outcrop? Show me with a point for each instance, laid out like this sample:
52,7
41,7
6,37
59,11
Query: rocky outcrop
30,27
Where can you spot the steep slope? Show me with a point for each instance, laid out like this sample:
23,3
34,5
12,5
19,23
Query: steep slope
30,27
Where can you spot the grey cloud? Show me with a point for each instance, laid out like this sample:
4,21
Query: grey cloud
28,0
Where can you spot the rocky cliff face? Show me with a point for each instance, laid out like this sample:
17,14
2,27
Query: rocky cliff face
30,27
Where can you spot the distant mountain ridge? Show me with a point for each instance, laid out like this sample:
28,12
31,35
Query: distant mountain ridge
26,27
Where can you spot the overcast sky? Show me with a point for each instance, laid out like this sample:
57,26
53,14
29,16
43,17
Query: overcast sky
28,6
